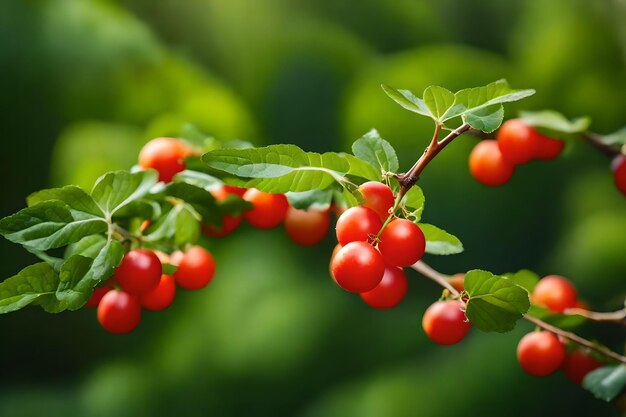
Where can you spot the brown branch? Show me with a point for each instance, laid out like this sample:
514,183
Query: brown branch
440,279
595,140
618,316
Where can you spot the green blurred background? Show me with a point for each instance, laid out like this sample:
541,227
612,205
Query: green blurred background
85,83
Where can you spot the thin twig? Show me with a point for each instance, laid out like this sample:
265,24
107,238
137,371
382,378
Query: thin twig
618,316
440,279
594,139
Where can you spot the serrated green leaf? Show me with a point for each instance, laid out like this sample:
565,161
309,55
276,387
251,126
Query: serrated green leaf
607,382
473,99
314,199
48,225
75,197
408,100
440,242
376,151
166,227
486,119
200,199
88,246
80,274
116,189
495,303
438,100
413,202
562,321
280,168
31,284
555,121
524,278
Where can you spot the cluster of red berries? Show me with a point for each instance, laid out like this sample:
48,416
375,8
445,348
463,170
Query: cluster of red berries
369,262
139,283
493,162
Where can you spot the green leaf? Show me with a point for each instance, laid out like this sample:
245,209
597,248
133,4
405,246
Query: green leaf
233,205
563,321
31,284
555,121
440,242
495,303
413,202
314,199
166,228
200,199
438,100
88,246
80,274
141,208
75,197
524,278
607,382
473,99
48,225
169,269
362,169
116,189
407,99
376,151
486,119
280,168
187,226
199,179
615,139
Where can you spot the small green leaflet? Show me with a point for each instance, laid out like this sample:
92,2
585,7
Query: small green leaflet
116,189
376,151
182,224
524,278
440,242
495,303
481,107
314,199
413,203
169,269
607,382
75,197
200,199
555,122
31,284
50,224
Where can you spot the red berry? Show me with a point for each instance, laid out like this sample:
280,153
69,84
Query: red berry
196,268
139,272
97,295
578,364
162,296
357,224
378,197
540,353
307,227
269,209
230,189
119,312
358,267
390,291
402,243
555,293
518,141
549,148
458,282
332,257
445,323
487,165
619,173
166,155
229,223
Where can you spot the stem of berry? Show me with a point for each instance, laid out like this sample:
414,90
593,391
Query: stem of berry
618,316
440,279
594,139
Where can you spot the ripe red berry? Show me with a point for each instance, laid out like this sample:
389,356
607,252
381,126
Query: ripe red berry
390,291
540,353
402,243
162,296
332,257
518,141
119,312
619,173
196,268
555,293
269,209
487,165
230,189
378,197
358,267
307,227
166,155
229,223
357,224
445,323
549,148
139,272
578,364
97,295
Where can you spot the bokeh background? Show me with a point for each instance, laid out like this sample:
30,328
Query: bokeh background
83,84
